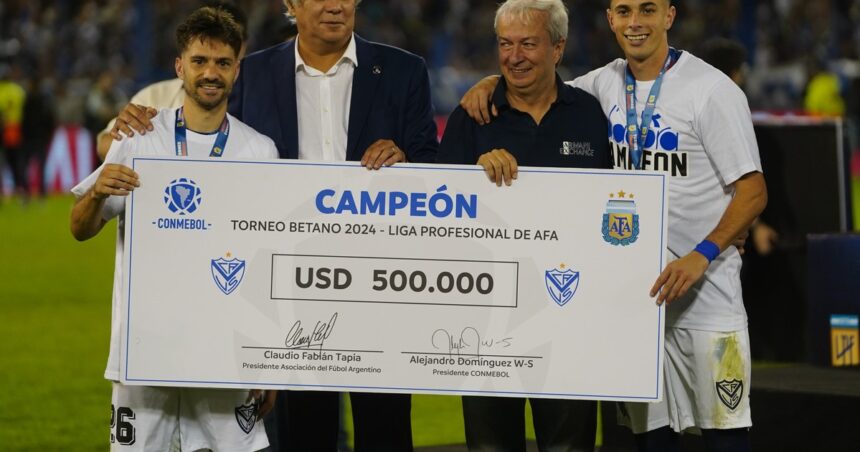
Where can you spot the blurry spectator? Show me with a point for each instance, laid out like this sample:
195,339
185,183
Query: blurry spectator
728,56
103,103
37,127
823,93
70,101
12,97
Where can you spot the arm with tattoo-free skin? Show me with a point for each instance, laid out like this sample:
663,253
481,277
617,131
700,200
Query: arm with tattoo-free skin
478,100
748,202
114,180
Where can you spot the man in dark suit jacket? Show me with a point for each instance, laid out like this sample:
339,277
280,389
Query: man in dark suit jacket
301,95
390,99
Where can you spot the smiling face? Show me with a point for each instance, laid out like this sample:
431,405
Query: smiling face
327,22
527,56
641,27
208,68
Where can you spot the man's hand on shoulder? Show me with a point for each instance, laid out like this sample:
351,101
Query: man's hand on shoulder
677,278
500,166
133,118
382,153
476,101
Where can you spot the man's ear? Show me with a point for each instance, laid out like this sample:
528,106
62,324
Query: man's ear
178,66
670,18
558,51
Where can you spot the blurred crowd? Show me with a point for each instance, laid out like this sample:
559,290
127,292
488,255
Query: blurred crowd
79,61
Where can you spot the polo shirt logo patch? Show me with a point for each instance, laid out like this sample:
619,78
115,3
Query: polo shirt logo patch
582,148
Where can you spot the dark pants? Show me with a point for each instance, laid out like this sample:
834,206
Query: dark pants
498,424
18,165
308,421
37,150
666,440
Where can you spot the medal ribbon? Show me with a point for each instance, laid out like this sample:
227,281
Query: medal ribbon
182,141
636,141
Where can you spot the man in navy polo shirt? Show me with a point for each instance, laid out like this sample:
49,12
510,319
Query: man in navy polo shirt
541,122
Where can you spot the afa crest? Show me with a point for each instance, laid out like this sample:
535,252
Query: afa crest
561,284
620,221
228,273
182,196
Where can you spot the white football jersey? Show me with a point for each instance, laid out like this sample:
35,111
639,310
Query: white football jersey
702,137
242,143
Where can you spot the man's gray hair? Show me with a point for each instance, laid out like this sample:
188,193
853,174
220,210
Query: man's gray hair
556,23
295,3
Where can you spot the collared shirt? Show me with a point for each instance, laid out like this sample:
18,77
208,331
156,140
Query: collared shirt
322,102
571,134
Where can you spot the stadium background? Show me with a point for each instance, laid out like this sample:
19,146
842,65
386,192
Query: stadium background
84,59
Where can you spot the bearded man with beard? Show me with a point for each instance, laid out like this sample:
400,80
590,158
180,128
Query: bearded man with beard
156,418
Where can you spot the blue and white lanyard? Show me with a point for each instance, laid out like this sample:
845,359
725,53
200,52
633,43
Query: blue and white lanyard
182,141
636,142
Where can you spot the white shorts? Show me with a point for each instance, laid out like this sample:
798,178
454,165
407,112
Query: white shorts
147,418
706,381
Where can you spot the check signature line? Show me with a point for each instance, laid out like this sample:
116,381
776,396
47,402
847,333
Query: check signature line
313,349
482,355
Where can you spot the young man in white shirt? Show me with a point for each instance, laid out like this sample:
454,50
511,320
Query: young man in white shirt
156,418
671,112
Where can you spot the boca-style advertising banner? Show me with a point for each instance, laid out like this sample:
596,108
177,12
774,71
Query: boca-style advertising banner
413,278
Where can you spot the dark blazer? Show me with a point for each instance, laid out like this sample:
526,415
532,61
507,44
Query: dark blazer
390,100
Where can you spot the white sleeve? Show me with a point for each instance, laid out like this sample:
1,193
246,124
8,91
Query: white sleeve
270,151
587,83
118,154
259,145
725,126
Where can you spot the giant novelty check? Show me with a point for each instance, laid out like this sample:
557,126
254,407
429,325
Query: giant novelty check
414,278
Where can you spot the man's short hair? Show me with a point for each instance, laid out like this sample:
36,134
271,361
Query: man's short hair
209,23
609,3
238,15
295,3
556,23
